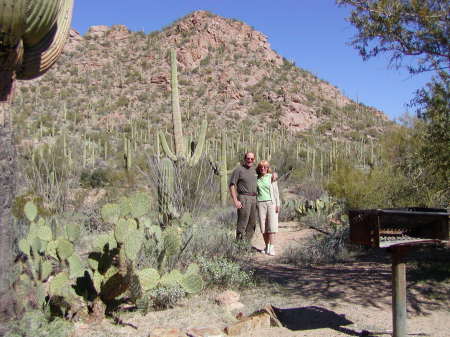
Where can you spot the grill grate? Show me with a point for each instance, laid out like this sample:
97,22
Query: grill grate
401,226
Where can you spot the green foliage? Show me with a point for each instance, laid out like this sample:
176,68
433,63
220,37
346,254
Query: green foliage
419,29
380,187
225,273
35,324
97,178
164,297
402,28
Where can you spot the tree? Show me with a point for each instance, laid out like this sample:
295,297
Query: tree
418,29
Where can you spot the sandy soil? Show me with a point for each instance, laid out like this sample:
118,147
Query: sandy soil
349,299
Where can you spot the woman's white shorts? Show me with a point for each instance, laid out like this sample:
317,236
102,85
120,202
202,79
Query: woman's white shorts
268,218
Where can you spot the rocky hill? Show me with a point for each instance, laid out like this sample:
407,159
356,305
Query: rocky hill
227,70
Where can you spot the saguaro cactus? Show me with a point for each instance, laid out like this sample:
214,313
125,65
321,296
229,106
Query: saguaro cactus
32,35
181,149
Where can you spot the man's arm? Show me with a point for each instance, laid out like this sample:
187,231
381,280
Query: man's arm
233,194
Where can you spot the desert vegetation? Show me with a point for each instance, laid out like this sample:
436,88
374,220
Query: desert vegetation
122,198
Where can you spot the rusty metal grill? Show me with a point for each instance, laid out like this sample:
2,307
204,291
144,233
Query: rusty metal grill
385,228
398,229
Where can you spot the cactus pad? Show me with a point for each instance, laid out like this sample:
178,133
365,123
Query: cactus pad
64,249
36,245
76,267
172,240
101,240
148,278
114,287
58,284
121,230
171,279
30,210
24,246
50,250
139,204
46,269
110,213
124,206
45,233
191,283
133,244
73,232
193,268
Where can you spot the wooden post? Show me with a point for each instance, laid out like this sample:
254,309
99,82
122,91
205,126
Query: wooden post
399,290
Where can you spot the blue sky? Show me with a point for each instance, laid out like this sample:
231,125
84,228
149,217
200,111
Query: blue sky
312,33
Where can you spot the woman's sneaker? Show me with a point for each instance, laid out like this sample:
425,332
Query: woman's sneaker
271,250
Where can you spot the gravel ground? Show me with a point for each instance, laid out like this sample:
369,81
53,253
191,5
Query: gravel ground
346,299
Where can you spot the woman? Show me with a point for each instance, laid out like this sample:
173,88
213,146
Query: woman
268,204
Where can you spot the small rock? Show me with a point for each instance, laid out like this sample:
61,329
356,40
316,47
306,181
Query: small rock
248,324
166,332
227,297
205,332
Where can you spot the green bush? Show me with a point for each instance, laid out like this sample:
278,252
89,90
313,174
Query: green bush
379,187
166,297
97,178
35,324
225,273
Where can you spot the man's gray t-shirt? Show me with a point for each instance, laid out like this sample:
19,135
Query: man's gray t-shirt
244,179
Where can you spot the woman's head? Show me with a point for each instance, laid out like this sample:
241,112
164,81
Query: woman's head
263,168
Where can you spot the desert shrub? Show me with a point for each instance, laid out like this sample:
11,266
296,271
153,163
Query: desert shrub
35,324
195,188
379,187
322,248
214,236
96,178
225,273
166,297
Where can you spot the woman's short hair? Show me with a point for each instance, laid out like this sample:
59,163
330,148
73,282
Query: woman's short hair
261,164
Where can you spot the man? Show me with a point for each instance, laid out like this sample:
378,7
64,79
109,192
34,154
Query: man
243,192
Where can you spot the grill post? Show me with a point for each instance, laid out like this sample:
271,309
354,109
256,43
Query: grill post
399,290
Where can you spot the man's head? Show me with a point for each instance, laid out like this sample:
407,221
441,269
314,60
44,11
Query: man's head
249,159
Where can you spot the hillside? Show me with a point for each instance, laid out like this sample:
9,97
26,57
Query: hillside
227,70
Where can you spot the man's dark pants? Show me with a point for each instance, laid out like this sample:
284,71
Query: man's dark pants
246,222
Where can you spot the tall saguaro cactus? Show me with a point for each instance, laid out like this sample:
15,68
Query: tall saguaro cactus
32,36
181,149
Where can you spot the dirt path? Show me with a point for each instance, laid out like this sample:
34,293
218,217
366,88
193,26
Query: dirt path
348,299
345,299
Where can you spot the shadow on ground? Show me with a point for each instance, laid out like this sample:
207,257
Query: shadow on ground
313,317
365,282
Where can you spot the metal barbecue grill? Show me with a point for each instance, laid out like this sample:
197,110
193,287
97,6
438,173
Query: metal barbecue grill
398,229
385,228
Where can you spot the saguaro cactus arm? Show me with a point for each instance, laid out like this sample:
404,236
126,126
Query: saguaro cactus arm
176,113
41,55
32,36
193,160
181,152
